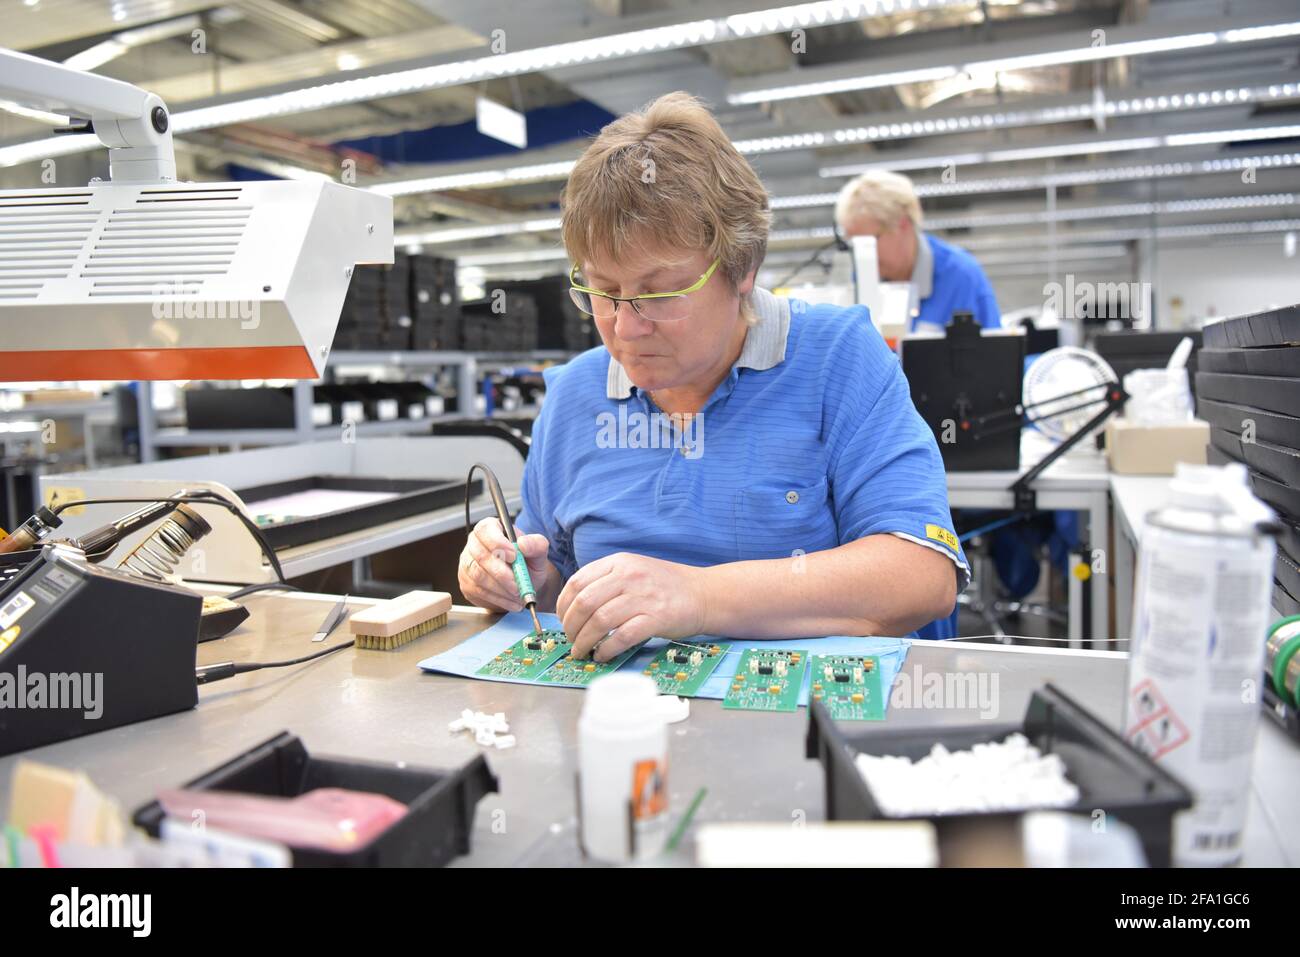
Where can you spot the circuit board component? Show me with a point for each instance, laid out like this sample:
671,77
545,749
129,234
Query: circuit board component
682,667
848,686
574,671
767,679
529,657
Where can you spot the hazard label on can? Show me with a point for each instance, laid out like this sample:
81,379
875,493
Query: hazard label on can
1154,728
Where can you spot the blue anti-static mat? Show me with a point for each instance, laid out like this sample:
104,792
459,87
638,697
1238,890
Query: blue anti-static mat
473,653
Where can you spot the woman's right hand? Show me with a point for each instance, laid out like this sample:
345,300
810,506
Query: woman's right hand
484,572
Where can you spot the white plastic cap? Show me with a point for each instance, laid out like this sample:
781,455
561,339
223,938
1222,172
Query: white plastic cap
622,700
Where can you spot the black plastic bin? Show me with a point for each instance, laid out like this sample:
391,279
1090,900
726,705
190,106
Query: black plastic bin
1111,775
440,804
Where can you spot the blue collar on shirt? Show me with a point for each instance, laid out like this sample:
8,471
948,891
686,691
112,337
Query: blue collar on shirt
764,346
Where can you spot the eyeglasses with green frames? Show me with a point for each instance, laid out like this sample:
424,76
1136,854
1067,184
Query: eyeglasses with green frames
655,306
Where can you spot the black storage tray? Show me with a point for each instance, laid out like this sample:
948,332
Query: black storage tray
1286,573
1285,500
1289,540
440,804
1266,361
413,497
1109,773
1272,393
1277,327
1283,430
1271,461
265,408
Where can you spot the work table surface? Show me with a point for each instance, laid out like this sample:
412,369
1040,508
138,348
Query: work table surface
379,706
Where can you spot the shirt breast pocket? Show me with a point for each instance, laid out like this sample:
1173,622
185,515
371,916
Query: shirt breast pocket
778,521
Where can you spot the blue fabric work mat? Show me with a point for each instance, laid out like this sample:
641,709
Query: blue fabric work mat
473,653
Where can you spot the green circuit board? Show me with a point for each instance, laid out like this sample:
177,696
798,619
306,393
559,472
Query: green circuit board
848,686
529,657
572,671
682,667
767,679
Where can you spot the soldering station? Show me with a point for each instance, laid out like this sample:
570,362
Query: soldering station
317,554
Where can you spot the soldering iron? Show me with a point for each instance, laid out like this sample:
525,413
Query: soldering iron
523,581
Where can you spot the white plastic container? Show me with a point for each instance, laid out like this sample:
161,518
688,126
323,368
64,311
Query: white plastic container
1158,396
622,770
1200,620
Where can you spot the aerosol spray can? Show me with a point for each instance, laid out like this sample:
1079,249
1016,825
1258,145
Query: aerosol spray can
1200,617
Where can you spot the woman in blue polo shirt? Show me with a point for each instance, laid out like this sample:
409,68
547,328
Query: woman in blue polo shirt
730,463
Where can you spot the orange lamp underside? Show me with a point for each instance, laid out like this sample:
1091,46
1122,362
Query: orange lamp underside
265,362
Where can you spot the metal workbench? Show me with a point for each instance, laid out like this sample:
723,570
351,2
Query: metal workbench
378,705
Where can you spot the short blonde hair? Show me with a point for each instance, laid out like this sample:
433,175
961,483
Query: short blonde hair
666,175
880,195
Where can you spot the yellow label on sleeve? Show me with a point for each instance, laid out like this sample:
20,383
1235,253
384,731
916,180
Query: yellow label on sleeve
941,534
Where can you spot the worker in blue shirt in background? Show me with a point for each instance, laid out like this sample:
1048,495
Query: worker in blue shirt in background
948,279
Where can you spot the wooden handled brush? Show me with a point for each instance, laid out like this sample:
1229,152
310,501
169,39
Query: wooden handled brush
399,621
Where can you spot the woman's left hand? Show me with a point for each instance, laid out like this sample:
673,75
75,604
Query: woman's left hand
634,597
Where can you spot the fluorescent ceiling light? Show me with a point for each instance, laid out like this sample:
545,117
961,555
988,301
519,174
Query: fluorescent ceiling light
917,124
1102,51
508,256
844,85
40,116
886,128
1228,136
114,47
456,234
1105,174
490,66
1081,147
1036,241
477,179
821,234
1070,149
783,88
1114,211
1042,256
1251,34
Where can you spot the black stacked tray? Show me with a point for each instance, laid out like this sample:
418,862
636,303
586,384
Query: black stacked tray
1248,389
376,312
561,325
503,322
361,321
434,300
226,408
